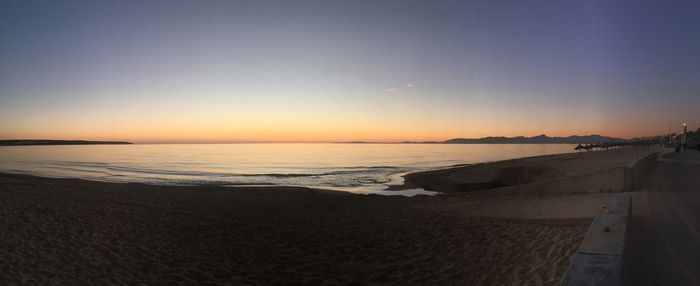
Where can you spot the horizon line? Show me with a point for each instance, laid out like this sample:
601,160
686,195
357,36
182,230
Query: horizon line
322,142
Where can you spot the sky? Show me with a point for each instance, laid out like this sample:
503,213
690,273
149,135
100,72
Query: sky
330,71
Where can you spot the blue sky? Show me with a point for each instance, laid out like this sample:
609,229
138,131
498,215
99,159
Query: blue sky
346,70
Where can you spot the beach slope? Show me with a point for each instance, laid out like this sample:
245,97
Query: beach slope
68,231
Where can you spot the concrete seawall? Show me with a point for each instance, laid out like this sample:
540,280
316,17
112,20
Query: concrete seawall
599,258
636,173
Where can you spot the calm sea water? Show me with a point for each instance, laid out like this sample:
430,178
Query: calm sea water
363,168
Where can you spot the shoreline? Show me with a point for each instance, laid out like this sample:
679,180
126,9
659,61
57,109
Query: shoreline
349,168
484,176
395,184
69,231
407,184
140,184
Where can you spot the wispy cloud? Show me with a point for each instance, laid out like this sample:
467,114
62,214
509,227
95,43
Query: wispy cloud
390,90
410,85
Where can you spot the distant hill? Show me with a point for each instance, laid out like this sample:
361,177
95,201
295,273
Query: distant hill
540,139
57,142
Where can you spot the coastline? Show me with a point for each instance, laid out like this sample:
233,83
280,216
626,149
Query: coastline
406,182
485,176
360,169
50,142
67,231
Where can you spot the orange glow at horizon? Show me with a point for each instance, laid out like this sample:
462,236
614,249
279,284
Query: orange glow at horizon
188,130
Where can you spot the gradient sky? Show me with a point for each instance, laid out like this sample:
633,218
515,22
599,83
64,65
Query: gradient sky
240,71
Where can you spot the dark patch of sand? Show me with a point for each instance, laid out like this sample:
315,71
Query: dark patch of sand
68,232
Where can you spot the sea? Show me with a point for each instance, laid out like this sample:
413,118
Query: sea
353,167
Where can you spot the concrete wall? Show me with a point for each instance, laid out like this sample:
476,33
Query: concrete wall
637,173
599,258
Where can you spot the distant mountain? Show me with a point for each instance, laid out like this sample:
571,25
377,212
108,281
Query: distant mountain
57,142
539,139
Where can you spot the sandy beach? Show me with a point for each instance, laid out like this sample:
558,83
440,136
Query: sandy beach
541,176
521,229
325,143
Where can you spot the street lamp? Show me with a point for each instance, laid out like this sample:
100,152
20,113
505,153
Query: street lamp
683,138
